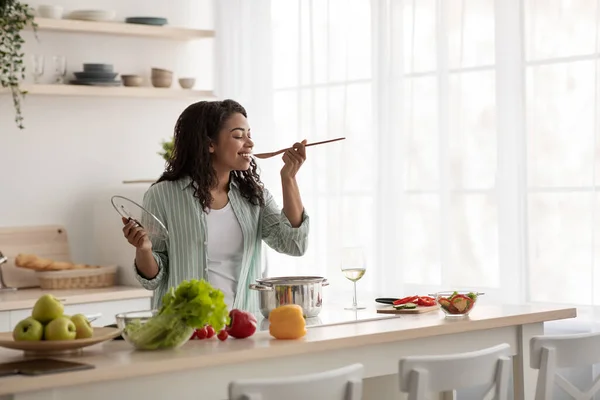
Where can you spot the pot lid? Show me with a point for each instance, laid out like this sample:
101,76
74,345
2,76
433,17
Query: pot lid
290,280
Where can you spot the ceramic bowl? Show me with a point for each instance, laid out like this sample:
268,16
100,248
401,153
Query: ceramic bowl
162,82
47,11
161,73
132,80
93,15
187,83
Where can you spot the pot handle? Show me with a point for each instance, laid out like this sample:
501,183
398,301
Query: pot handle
324,282
261,288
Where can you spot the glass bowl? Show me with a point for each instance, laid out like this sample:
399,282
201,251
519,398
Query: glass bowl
457,303
164,331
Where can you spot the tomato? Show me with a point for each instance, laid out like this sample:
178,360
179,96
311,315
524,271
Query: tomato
223,335
201,333
210,331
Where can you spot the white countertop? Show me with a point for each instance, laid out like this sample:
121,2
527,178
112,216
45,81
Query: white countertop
26,298
115,360
335,314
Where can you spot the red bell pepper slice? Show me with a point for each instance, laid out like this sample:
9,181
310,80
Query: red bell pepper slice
409,299
426,301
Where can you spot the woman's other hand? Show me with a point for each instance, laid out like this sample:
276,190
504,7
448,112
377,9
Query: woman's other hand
136,235
293,160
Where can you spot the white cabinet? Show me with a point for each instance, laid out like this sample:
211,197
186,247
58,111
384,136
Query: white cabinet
108,309
4,321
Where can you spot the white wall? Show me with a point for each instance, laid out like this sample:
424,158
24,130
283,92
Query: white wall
75,151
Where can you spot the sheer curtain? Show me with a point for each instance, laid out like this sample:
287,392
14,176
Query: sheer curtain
412,85
471,154
243,57
323,88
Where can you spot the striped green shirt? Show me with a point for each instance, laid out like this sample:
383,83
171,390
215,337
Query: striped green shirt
183,256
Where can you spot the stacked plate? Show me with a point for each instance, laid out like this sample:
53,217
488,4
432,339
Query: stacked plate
93,15
96,75
156,21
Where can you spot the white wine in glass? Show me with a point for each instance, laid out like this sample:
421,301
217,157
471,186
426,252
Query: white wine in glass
353,266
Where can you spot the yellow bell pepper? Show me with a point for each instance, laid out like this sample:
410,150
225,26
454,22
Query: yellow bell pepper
287,322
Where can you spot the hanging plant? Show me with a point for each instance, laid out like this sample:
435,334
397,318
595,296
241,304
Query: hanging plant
167,149
14,17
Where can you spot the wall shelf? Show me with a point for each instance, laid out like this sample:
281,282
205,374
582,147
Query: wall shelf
122,29
115,91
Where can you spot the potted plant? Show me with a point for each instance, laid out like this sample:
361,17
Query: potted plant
167,149
14,17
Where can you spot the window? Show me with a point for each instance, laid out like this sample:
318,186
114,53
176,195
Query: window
471,155
561,62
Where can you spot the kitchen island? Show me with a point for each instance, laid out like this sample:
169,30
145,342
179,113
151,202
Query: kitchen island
202,369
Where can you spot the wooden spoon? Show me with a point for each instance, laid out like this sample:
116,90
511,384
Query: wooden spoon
274,153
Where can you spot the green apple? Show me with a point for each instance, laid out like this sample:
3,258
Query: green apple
60,328
83,326
28,329
47,308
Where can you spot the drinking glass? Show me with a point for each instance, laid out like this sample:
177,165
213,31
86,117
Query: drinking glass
60,68
38,67
353,266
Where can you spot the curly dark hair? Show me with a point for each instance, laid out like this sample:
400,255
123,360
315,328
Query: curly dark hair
197,126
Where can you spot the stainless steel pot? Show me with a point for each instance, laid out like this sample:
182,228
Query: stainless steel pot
306,291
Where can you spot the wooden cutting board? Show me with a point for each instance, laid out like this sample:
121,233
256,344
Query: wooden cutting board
48,241
418,310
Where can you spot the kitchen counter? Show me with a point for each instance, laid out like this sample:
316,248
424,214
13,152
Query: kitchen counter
335,314
26,298
204,368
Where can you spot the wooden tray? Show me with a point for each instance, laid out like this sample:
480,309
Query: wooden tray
418,310
46,347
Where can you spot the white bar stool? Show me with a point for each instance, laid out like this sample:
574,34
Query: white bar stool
338,384
421,376
551,352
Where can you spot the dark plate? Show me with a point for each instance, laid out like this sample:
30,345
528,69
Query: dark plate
91,67
95,75
95,83
146,21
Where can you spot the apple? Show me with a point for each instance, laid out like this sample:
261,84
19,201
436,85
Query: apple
83,326
60,328
28,329
47,308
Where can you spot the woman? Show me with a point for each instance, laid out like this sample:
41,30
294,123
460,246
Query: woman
216,210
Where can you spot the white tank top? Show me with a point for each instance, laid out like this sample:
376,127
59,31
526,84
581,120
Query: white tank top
224,251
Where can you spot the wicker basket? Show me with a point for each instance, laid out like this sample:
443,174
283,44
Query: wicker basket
78,278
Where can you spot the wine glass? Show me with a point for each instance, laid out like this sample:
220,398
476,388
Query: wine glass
38,67
353,266
60,68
